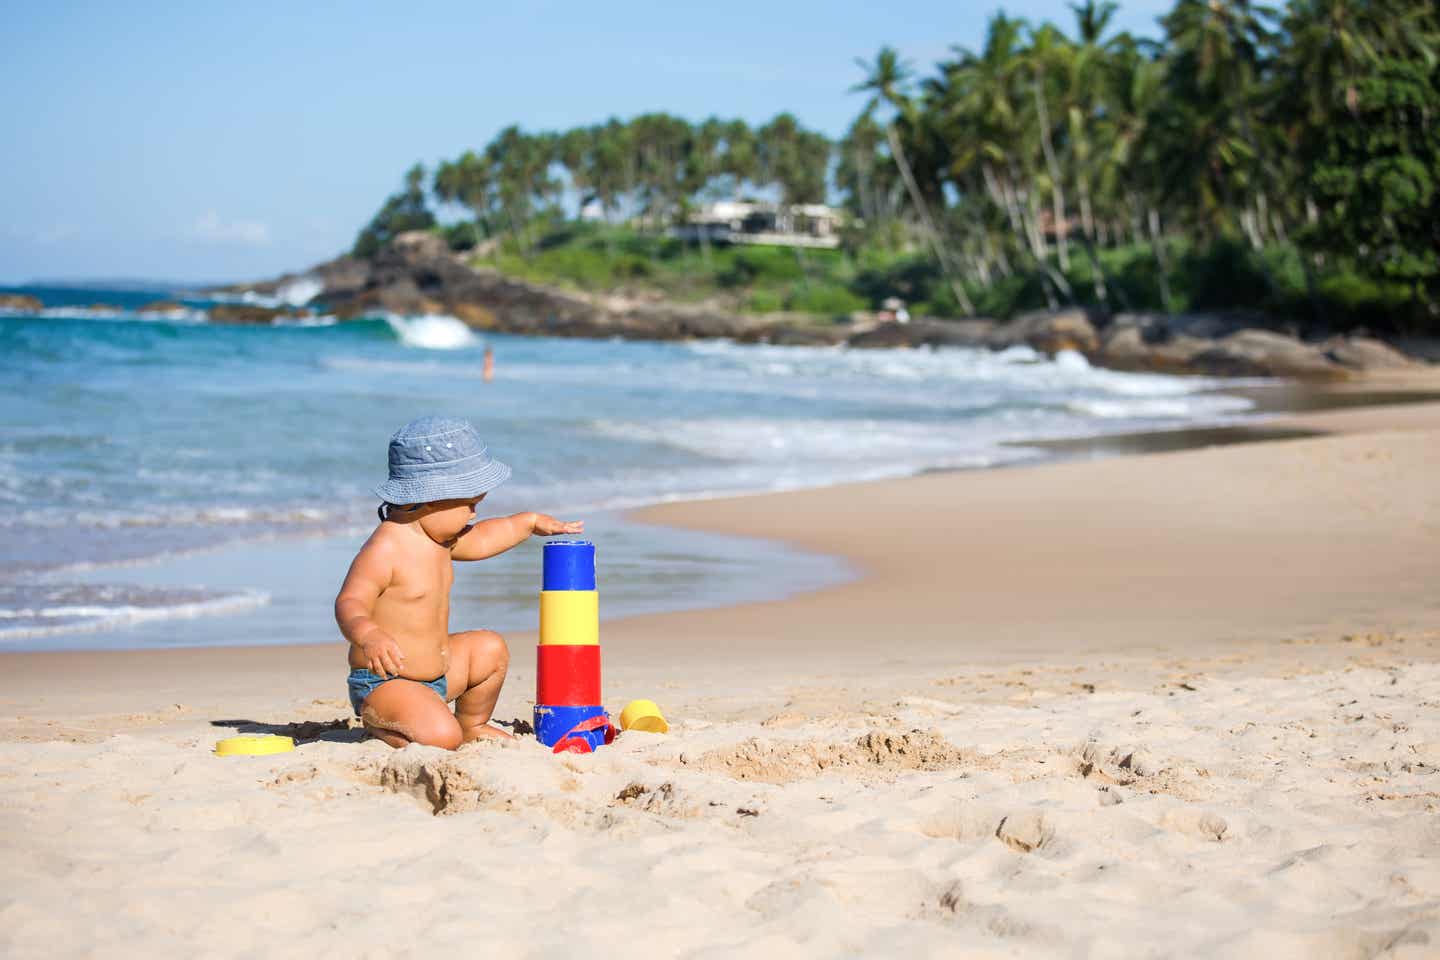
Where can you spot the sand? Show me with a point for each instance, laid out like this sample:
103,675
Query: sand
1176,704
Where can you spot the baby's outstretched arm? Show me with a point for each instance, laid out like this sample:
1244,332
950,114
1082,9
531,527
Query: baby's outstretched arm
490,537
368,577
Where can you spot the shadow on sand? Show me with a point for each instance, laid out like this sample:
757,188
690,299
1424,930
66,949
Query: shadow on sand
342,730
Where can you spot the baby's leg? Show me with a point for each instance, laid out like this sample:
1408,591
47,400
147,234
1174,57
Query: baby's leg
478,661
402,712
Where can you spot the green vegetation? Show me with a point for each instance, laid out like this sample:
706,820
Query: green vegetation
401,211
1285,161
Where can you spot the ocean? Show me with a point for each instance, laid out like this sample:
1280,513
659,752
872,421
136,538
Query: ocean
168,482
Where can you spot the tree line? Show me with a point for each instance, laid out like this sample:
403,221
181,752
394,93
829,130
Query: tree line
1306,139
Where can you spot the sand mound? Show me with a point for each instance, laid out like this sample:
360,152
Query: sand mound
872,752
441,781
1135,767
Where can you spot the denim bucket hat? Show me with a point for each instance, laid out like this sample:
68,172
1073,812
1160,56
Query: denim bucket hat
439,458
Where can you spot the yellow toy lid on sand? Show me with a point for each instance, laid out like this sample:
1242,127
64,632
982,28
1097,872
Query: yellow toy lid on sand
643,715
253,745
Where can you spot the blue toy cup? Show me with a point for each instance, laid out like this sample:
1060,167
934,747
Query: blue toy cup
552,723
569,565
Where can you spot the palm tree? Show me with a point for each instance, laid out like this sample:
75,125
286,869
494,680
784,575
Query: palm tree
996,133
1091,62
574,151
870,183
885,80
1091,121
1218,51
1144,164
468,182
1049,53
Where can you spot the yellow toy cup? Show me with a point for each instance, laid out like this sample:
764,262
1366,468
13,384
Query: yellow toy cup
253,745
643,715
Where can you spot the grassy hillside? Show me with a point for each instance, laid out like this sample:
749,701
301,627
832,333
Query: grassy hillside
835,283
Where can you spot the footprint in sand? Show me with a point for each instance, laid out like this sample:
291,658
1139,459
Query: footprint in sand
1201,824
1026,832
665,800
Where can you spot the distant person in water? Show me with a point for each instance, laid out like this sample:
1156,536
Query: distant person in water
489,369
394,606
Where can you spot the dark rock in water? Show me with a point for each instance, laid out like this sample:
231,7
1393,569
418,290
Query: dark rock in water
1125,347
341,277
20,301
244,313
1154,344
104,308
926,333
1365,353
1263,353
474,315
1048,332
1177,354
805,336
162,306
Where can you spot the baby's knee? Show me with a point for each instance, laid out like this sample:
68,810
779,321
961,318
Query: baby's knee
432,731
444,733
492,649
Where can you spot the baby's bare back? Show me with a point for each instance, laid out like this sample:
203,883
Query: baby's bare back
415,608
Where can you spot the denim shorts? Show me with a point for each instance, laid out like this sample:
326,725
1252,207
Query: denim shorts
362,683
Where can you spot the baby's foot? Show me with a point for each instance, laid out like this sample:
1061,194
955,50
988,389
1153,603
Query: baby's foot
486,732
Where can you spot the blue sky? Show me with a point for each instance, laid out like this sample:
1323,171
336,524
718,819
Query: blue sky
230,141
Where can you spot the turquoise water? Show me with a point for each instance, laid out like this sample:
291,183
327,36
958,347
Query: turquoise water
150,464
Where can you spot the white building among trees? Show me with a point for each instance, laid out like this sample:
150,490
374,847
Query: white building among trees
775,224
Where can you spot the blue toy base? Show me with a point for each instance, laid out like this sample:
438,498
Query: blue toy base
552,723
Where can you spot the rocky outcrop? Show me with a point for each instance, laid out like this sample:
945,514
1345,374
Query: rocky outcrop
1366,353
162,306
1048,332
418,274
1211,344
1125,348
244,314
974,332
20,301
1263,353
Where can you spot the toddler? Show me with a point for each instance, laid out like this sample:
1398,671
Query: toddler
394,606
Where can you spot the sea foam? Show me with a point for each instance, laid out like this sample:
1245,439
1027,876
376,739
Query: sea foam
440,332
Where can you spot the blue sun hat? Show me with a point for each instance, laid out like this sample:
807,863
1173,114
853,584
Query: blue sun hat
439,458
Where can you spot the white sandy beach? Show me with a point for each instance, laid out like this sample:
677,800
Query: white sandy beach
1182,704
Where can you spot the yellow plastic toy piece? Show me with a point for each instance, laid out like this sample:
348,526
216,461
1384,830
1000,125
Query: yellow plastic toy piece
253,745
643,715
570,617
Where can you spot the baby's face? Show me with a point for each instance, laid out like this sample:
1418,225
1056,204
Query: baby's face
447,519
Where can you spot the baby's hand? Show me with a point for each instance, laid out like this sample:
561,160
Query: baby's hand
547,526
383,656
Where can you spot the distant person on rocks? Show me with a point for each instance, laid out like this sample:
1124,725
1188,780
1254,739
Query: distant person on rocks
489,369
394,606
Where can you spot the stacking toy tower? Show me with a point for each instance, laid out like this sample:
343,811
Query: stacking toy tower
567,674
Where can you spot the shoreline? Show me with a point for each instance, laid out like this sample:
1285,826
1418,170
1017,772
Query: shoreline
1284,410
1357,408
